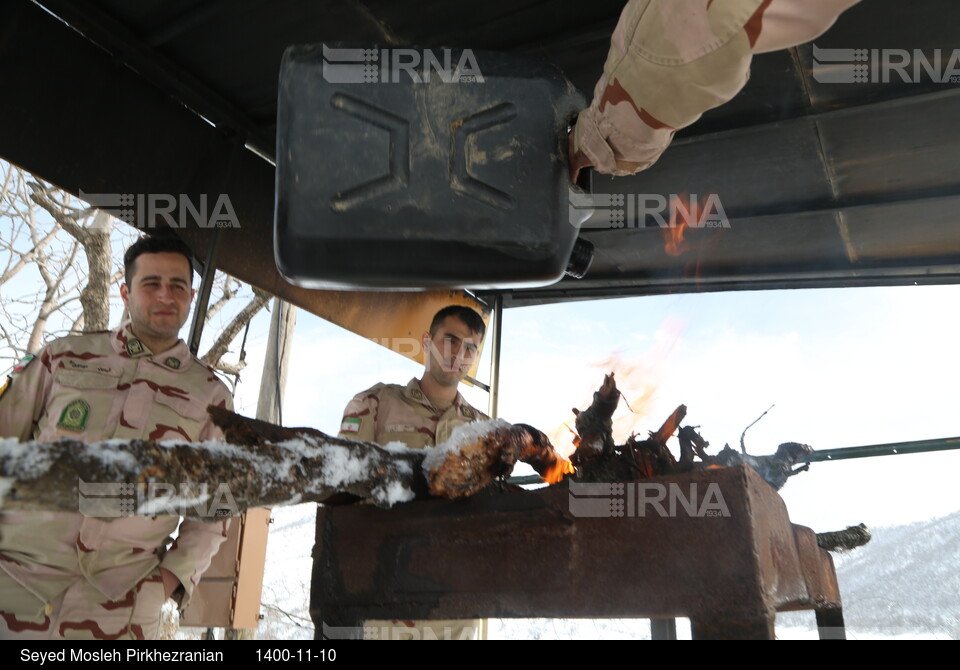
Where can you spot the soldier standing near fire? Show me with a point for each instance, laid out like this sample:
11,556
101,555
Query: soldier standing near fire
66,575
423,414
425,411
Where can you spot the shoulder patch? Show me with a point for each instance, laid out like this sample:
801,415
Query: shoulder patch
467,412
74,416
351,425
22,365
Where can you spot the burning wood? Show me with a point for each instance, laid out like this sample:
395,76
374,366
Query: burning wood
598,459
263,465
476,455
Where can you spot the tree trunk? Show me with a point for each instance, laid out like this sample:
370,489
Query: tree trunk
95,296
264,466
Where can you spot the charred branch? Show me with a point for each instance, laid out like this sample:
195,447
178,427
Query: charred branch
775,469
259,465
845,540
599,459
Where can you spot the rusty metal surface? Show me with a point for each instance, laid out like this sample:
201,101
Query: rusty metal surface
524,554
818,570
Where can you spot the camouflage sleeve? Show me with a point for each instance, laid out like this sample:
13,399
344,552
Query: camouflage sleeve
198,542
24,397
360,417
672,60
189,557
222,398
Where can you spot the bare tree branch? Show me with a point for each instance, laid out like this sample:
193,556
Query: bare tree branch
96,246
219,348
229,289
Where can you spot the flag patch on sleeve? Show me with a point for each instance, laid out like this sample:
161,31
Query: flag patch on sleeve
351,425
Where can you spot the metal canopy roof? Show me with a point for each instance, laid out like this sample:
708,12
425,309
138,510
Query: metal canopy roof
823,184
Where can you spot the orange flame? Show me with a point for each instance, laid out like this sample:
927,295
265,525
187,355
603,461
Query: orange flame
638,380
690,211
556,472
576,435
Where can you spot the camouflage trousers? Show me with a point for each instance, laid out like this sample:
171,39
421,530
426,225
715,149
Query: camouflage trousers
81,612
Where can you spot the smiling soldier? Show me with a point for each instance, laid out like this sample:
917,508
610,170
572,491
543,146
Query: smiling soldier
67,575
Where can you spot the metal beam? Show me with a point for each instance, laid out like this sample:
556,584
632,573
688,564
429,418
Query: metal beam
496,341
635,286
934,98
116,38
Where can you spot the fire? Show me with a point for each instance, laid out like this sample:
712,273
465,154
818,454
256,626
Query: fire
688,212
687,209
673,243
556,472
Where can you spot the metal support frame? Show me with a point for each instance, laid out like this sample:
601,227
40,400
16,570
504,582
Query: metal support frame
143,57
210,263
203,298
663,629
496,340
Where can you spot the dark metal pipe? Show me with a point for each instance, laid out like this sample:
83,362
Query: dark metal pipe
891,449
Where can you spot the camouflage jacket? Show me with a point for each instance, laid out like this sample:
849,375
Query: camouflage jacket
393,413
672,60
97,387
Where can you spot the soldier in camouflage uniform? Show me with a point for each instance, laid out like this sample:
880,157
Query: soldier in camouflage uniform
425,411
672,60
422,414
66,575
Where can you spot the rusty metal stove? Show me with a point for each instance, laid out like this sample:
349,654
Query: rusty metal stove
524,554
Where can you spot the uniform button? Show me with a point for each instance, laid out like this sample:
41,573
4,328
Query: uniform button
48,609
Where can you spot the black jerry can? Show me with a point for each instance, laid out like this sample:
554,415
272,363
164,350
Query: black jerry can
405,168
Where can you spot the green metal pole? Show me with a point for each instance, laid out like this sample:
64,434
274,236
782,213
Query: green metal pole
891,449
